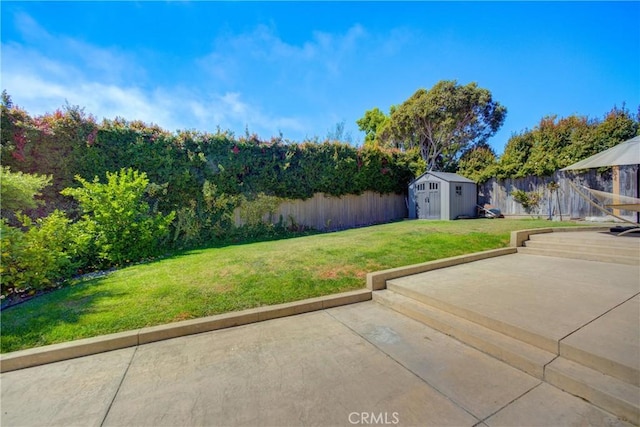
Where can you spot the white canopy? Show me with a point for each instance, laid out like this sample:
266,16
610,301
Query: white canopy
625,153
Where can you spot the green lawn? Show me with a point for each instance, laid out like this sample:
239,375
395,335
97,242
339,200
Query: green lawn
217,280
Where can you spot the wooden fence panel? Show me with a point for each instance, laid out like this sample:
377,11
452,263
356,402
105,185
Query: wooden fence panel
324,212
498,193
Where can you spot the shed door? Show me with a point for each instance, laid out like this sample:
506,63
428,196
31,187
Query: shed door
420,200
428,200
433,200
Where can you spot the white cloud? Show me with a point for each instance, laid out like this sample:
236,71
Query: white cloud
41,79
247,77
238,56
29,28
230,111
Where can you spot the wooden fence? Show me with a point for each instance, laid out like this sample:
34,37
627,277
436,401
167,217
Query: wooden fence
324,212
566,202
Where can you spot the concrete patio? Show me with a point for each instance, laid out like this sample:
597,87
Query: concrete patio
492,342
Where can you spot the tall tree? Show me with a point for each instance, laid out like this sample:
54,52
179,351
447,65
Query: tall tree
371,123
477,162
444,120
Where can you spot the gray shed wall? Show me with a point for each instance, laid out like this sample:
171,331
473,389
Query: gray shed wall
451,205
465,204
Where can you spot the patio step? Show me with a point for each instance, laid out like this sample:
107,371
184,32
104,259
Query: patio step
590,246
609,393
516,353
603,239
524,351
583,247
603,256
512,331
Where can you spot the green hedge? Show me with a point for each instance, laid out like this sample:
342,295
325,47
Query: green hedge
69,143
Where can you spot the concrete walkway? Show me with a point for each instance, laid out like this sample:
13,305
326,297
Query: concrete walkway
361,364
328,368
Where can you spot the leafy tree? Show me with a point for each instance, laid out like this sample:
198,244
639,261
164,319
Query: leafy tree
618,125
372,121
51,144
444,120
478,163
117,214
553,137
558,142
515,155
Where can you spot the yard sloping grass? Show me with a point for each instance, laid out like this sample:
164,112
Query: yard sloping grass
217,280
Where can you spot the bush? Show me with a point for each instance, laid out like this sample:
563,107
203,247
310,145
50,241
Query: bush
44,256
253,212
528,201
124,226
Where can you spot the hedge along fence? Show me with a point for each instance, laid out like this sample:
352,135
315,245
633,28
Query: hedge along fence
326,212
564,200
74,144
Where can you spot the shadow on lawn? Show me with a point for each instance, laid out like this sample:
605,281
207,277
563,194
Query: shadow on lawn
35,321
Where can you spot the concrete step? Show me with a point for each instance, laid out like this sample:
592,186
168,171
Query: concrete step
577,246
531,338
521,355
589,239
603,256
609,344
609,393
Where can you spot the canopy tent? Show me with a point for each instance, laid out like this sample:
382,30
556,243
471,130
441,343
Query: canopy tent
625,153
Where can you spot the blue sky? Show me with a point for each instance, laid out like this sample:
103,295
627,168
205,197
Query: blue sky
298,68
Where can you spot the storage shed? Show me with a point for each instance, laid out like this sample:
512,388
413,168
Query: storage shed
442,195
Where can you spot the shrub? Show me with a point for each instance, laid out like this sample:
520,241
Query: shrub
124,226
252,212
205,219
44,256
528,201
20,191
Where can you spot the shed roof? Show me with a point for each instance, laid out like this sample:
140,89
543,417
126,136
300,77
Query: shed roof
446,176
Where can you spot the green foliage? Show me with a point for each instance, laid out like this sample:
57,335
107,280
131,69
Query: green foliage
124,226
52,144
190,165
444,120
371,123
48,253
528,200
478,163
556,143
200,222
19,191
253,211
515,156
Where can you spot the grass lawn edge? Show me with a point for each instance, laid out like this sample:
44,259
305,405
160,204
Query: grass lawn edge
121,339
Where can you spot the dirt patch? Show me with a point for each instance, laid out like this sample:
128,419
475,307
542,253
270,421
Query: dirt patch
182,316
338,272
